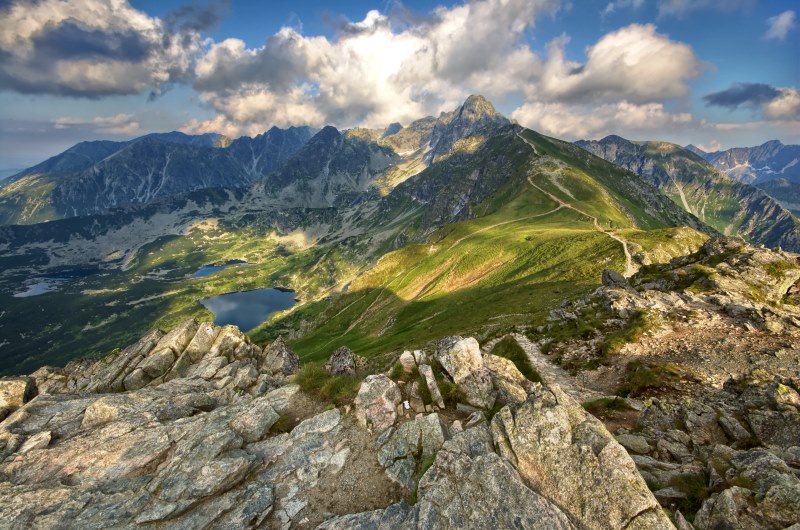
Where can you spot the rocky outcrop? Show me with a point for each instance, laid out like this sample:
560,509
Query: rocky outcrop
570,458
341,362
462,360
199,428
15,392
278,357
376,403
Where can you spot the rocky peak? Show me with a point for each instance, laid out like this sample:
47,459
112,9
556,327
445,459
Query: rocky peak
474,116
476,107
393,128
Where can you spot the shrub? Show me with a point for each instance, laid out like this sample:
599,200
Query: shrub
696,489
282,424
509,348
451,393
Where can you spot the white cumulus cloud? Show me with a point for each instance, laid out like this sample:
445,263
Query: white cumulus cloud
92,48
574,122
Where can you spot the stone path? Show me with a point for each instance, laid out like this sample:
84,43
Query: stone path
551,373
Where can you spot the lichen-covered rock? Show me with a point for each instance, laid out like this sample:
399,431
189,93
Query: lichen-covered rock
400,449
462,360
256,421
16,391
570,458
771,498
407,362
341,362
376,402
511,385
467,486
426,372
279,358
634,443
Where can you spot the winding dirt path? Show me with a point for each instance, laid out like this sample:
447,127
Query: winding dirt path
484,229
629,268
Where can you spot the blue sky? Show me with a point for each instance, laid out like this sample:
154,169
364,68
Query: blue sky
714,73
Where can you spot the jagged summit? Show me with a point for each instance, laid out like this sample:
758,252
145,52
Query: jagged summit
476,107
476,116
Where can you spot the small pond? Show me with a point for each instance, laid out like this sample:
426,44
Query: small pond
248,309
208,270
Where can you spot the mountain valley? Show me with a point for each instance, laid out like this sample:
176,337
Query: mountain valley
489,323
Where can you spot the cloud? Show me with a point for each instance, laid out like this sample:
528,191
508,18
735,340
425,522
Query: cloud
679,8
384,68
781,25
577,122
711,147
616,5
93,48
739,94
786,106
390,67
123,124
634,63
776,104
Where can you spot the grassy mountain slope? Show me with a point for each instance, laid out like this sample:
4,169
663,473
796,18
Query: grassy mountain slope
731,207
545,237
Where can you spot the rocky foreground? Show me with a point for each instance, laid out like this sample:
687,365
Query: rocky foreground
177,431
200,428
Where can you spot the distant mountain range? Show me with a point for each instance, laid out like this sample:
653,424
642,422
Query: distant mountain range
92,177
769,161
730,206
772,166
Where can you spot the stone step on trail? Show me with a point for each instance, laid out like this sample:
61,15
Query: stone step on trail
551,373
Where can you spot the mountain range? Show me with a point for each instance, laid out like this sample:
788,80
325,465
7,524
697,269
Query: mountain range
453,292
730,206
768,161
772,167
375,227
92,177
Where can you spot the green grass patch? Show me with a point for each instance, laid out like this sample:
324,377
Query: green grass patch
639,324
605,405
338,389
642,376
509,349
778,269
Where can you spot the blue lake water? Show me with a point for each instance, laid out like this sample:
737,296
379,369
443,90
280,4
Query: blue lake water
248,309
208,270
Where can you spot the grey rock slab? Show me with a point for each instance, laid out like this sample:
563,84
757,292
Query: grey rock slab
569,457
462,360
376,402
